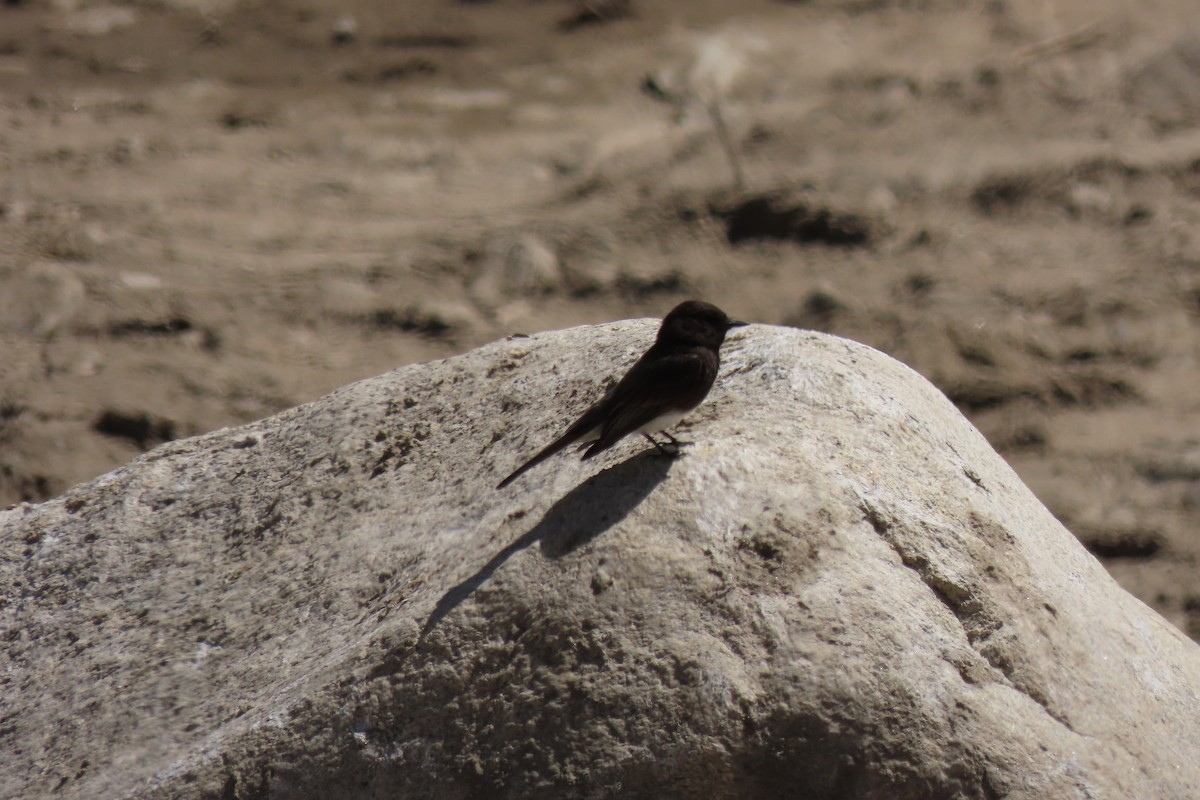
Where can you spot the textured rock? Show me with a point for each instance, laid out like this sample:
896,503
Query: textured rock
839,591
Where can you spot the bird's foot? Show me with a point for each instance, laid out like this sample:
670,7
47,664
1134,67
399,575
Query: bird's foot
676,443
669,449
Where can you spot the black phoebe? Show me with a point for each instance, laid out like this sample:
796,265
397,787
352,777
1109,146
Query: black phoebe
667,382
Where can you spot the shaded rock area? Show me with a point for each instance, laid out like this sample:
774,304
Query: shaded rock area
838,590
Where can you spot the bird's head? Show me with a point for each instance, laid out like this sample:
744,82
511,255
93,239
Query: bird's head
698,323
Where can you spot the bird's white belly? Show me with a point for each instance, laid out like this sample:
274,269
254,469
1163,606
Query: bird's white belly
661,423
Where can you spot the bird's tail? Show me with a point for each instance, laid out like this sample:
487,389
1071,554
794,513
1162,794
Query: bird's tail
566,439
585,428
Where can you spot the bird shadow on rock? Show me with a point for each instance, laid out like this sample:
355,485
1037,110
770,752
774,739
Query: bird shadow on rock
587,511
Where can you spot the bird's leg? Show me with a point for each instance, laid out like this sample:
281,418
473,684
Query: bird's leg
662,448
678,445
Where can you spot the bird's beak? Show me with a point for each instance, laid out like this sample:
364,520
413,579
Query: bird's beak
737,323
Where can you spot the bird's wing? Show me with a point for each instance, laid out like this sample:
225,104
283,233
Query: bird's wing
649,390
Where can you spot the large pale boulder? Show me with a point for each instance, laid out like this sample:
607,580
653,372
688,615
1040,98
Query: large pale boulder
839,591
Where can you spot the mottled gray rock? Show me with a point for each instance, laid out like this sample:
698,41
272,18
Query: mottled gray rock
839,591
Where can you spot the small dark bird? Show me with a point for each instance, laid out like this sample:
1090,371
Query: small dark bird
666,383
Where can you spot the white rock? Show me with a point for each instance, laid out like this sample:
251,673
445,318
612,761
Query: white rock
840,590
140,281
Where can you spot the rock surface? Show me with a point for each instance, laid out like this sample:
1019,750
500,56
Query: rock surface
839,591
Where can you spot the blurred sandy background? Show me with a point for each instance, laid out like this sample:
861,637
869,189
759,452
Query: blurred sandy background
212,210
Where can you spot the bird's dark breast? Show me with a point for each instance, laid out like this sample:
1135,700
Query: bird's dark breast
666,383
696,376
666,377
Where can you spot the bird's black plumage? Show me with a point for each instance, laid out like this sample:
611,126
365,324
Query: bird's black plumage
668,381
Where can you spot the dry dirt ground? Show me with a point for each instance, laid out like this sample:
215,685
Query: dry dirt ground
212,210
